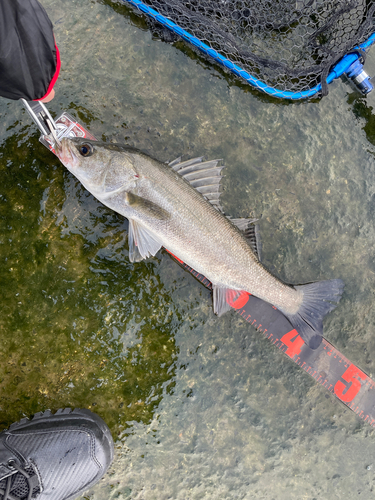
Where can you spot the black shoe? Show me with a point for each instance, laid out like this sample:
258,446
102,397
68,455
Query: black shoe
54,457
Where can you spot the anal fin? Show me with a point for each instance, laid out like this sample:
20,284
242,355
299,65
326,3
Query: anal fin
222,298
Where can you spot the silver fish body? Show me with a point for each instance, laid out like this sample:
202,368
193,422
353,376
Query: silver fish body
164,209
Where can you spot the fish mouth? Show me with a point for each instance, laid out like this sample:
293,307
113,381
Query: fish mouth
65,151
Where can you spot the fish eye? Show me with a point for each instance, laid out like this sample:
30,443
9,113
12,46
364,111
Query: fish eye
86,149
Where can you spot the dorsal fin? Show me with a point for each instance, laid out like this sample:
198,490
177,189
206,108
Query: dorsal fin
177,164
251,233
204,176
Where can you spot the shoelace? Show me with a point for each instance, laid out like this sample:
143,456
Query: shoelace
22,487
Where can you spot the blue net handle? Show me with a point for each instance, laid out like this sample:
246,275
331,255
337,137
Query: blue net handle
341,67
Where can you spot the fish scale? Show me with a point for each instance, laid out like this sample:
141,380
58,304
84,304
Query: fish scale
326,364
165,209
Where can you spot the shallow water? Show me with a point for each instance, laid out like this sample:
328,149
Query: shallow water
201,407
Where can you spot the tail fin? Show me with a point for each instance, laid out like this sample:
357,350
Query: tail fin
318,300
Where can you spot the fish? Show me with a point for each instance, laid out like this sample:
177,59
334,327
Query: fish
177,206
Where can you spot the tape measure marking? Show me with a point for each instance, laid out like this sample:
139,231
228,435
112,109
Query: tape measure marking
326,365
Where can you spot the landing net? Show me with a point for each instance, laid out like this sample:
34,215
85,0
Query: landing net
287,48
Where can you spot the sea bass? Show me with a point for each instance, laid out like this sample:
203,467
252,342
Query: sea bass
177,206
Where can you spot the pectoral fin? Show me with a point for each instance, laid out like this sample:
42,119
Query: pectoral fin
145,207
142,243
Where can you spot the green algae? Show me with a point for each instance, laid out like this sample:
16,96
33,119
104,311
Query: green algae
71,333
205,407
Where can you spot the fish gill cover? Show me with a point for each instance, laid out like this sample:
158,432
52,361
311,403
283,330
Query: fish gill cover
290,45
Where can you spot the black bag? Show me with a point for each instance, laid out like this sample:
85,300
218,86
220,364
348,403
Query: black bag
29,59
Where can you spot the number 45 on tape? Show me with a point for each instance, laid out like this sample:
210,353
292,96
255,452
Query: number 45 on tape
326,364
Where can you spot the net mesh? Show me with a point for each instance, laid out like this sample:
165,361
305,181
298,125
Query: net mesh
290,45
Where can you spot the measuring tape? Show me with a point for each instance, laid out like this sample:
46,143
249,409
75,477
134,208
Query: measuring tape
326,365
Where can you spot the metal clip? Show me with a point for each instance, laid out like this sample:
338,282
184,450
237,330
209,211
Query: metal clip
41,117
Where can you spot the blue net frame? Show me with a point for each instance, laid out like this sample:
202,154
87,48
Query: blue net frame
338,69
